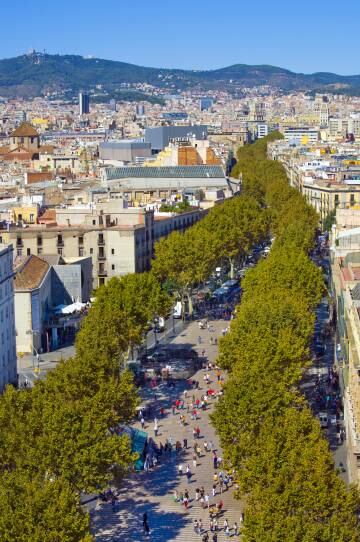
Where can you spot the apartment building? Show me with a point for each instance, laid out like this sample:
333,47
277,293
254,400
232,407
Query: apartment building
346,287
8,369
301,135
118,238
328,179
327,196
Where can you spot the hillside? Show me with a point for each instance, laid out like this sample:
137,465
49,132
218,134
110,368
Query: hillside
37,73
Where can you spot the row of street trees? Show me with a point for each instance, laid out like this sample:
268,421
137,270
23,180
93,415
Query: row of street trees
284,468
225,235
56,439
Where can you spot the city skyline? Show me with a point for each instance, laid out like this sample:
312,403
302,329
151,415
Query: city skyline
199,36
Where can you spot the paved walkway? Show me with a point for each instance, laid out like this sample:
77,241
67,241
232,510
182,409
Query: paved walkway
152,491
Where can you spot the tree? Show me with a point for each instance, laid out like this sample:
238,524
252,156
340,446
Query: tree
282,463
38,509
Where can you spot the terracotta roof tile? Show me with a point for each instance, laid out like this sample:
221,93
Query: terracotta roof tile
30,274
46,149
24,130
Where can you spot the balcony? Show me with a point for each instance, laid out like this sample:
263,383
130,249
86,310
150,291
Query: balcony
101,242
19,243
101,257
60,243
102,272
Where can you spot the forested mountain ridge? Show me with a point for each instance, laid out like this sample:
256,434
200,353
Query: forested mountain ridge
37,73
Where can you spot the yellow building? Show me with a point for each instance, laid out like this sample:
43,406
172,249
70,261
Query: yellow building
25,214
40,123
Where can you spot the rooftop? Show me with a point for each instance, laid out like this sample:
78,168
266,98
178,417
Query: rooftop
24,130
29,273
166,172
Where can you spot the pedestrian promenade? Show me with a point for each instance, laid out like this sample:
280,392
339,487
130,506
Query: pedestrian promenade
152,491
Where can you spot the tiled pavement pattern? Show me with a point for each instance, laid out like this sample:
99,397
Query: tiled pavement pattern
152,491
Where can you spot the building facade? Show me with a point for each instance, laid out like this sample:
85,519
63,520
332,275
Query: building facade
8,368
118,240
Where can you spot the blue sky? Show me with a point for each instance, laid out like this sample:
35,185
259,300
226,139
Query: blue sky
307,36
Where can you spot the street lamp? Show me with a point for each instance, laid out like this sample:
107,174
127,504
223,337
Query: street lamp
32,332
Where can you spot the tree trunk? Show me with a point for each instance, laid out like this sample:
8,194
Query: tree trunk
232,270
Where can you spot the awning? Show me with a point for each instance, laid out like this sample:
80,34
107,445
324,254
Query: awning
70,309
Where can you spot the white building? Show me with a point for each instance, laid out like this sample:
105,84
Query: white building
262,130
301,136
8,369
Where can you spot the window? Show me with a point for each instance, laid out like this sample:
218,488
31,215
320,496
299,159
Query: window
60,240
39,250
336,199
39,240
94,222
28,252
101,281
91,250
81,240
113,267
60,251
113,251
81,251
352,199
19,252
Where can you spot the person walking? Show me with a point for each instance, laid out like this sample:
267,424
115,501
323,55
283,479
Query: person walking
155,427
216,526
196,526
185,443
194,461
214,490
205,446
207,501
221,484
215,537
188,474
236,529
145,524
180,469
142,421
185,502
197,494
200,526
